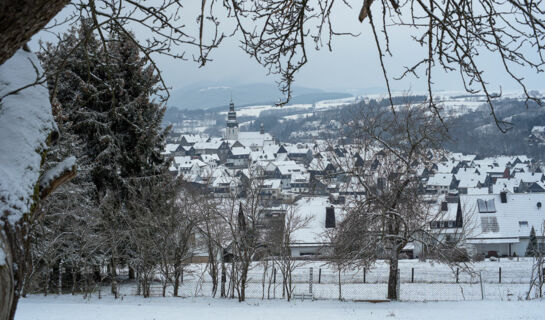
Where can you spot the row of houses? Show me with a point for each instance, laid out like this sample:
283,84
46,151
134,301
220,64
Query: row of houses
497,200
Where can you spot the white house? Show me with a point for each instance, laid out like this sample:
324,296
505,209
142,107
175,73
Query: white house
501,223
311,240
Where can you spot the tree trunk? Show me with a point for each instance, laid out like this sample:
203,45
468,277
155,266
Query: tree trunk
21,19
214,276
59,280
14,243
7,285
131,273
243,278
223,279
340,286
113,277
393,277
176,284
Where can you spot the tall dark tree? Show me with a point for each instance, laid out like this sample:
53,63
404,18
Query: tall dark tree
105,94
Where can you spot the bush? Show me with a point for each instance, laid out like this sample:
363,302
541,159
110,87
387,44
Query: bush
478,257
460,255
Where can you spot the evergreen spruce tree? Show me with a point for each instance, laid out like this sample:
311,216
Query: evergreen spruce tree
108,120
531,250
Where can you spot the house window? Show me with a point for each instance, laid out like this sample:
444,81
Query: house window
451,224
523,224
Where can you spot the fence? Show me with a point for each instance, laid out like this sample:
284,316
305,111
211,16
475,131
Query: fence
419,281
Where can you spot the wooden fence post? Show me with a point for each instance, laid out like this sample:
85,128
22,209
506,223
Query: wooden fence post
310,282
412,275
481,281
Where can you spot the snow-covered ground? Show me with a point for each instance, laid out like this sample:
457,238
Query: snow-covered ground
255,111
134,308
431,282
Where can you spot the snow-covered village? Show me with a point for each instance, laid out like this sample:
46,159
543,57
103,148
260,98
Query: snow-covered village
263,159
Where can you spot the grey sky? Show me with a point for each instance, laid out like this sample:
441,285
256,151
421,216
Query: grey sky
353,63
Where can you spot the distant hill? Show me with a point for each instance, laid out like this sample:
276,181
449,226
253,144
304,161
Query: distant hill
214,95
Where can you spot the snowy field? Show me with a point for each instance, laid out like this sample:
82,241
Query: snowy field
136,308
428,282
255,111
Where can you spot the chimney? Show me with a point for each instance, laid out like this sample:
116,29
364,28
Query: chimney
503,196
444,206
330,217
262,129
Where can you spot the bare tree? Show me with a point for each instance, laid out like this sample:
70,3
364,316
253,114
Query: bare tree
394,211
241,214
214,234
160,230
292,221
451,34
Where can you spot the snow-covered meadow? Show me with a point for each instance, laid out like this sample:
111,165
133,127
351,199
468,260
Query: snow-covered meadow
428,282
134,308
420,282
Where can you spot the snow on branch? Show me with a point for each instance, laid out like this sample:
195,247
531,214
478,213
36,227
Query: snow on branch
56,176
25,124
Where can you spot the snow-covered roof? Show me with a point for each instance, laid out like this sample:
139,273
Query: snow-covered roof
271,148
445,167
171,147
211,145
193,138
299,148
314,207
262,156
240,151
469,178
225,180
514,218
505,184
253,138
528,176
208,158
477,190
272,183
440,179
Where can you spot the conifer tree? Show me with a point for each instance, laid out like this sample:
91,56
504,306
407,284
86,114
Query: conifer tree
531,250
105,112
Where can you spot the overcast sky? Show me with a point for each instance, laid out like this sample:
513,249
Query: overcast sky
353,64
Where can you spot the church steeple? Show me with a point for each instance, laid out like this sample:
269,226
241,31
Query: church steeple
231,132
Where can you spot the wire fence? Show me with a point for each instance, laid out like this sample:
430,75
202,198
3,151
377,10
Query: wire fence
418,281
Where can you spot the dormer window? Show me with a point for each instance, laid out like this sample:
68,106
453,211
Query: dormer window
489,224
523,224
486,206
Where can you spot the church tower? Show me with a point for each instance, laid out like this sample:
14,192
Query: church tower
231,132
